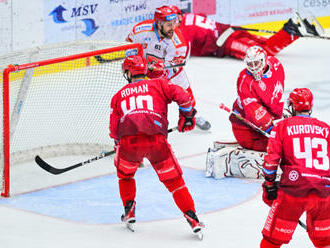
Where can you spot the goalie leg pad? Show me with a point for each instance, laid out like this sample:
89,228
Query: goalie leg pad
245,163
216,165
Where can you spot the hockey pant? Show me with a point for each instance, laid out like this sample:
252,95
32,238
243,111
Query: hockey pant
130,153
231,160
248,138
284,215
238,42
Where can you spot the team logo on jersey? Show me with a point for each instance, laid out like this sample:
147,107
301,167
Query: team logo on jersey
278,89
248,100
262,85
260,112
293,175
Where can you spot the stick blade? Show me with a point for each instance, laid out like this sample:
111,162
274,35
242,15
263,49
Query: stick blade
47,167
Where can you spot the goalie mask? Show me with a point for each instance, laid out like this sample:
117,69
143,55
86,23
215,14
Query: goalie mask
301,100
136,65
256,61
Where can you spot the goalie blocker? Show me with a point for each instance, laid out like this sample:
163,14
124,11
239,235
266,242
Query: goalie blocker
228,159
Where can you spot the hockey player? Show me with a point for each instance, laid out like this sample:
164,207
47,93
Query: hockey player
138,124
259,88
300,146
165,46
210,38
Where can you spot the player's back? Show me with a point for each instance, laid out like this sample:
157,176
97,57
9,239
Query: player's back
305,162
142,107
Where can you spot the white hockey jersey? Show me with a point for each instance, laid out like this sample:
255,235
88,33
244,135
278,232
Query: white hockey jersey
163,50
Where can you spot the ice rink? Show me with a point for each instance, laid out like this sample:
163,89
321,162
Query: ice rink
82,208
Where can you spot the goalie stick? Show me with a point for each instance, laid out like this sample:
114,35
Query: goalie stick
47,167
224,107
247,122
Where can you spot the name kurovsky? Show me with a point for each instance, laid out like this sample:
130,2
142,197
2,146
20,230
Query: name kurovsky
307,129
134,90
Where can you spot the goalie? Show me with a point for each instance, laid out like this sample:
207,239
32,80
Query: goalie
259,88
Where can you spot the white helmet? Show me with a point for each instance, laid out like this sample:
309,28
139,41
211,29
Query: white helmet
256,61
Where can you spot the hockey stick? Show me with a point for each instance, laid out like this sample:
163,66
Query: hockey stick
224,107
47,167
181,64
247,122
274,32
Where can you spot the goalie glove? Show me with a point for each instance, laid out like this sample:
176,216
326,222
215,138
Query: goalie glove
187,120
269,192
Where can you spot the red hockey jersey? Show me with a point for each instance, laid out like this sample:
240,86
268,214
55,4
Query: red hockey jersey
202,33
141,107
300,145
260,101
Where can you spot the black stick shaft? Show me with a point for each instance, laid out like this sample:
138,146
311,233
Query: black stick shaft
47,167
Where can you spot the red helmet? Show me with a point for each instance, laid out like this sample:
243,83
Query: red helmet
301,99
136,65
176,9
165,13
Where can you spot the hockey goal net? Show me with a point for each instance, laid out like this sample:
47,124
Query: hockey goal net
55,101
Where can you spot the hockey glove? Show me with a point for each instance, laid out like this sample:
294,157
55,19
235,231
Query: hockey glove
187,120
269,192
286,113
156,70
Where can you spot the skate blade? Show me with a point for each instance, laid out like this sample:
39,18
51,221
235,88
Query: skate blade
130,226
199,234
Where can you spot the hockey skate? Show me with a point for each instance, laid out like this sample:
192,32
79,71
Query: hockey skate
129,217
313,30
194,223
294,28
202,124
303,27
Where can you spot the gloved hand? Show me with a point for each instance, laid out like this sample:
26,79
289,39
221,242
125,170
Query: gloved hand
156,70
115,147
286,113
269,192
156,66
177,60
187,120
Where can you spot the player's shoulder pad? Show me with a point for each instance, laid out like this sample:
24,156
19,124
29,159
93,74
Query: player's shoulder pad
178,39
144,26
274,62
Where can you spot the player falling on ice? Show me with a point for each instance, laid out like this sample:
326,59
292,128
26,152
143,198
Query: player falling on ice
164,46
300,146
210,38
259,88
138,124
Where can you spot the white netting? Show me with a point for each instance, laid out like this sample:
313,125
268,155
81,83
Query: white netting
66,106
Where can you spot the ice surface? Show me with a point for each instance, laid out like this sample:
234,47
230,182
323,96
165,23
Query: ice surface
306,64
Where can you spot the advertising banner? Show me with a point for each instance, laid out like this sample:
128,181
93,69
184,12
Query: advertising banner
314,7
98,19
251,11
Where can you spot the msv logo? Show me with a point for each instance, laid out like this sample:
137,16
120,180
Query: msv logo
90,25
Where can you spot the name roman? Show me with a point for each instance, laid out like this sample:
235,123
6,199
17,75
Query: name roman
134,90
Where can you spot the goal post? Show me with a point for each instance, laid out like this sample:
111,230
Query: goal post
59,106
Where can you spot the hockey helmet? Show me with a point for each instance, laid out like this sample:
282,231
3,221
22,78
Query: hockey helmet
301,99
176,9
256,61
165,13
136,65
